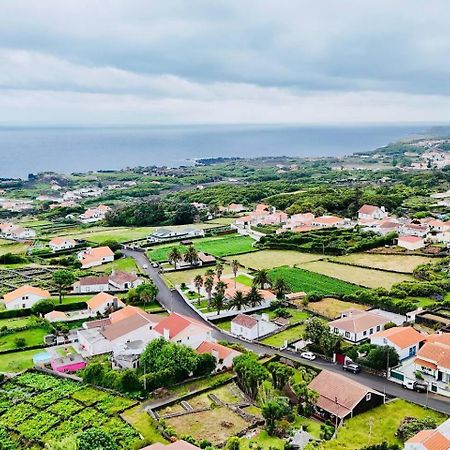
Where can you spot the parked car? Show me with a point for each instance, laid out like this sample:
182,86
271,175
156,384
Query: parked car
351,367
418,386
308,355
155,265
145,266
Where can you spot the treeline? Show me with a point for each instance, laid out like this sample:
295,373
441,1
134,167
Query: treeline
330,241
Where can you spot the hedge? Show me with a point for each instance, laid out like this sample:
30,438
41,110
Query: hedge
71,306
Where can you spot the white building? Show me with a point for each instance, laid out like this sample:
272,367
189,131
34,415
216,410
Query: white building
411,242
61,243
224,355
124,280
103,303
24,297
252,327
97,256
405,340
96,214
371,212
87,285
437,439
166,234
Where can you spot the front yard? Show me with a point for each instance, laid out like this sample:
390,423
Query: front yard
291,334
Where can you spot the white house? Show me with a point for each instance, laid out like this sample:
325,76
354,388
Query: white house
103,303
86,285
14,232
96,214
371,212
165,234
124,280
252,327
24,297
437,439
405,340
126,355
356,325
434,357
97,256
61,243
224,355
411,242
184,330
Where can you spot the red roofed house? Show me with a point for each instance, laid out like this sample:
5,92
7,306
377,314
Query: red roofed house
356,325
177,445
224,355
103,303
438,439
370,212
184,330
328,221
410,242
97,256
235,207
124,280
94,214
252,327
342,397
24,297
85,285
405,340
434,357
61,243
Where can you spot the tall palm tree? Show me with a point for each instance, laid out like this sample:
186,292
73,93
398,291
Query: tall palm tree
235,269
210,272
218,301
209,284
191,255
281,287
261,278
254,298
221,287
219,270
198,282
175,256
238,301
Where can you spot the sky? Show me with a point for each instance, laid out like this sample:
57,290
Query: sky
101,62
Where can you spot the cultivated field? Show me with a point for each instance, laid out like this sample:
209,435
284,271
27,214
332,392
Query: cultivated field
332,307
357,275
12,247
395,263
306,281
268,259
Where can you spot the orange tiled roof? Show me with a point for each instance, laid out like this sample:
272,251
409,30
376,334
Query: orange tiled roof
99,299
25,290
402,337
209,347
430,439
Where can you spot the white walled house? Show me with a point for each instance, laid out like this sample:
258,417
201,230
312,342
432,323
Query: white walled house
61,243
103,303
252,327
87,285
411,242
224,355
405,340
24,297
371,212
92,257
124,280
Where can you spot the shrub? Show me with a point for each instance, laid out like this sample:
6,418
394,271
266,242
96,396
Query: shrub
20,342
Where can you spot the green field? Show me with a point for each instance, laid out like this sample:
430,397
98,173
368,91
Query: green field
377,425
18,361
187,276
303,280
33,336
244,279
291,334
218,246
124,264
15,322
15,247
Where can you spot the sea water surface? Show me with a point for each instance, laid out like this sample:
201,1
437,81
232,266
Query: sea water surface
31,150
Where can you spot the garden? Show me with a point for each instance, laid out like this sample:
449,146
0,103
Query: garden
331,308
36,408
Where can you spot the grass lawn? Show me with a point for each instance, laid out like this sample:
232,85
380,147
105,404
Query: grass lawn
186,276
124,264
297,315
142,421
15,322
358,275
385,419
304,280
34,336
217,246
244,279
18,361
15,247
268,259
332,307
73,298
277,340
396,263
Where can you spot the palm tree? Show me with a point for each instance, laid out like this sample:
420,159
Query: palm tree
219,270
191,256
209,284
261,278
238,301
198,282
218,301
210,272
254,298
281,287
221,287
235,269
175,256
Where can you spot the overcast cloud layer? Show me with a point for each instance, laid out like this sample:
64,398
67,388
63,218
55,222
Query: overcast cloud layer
231,61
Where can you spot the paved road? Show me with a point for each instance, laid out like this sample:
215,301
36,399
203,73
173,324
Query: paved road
173,301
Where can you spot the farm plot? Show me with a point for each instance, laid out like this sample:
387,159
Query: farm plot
306,281
37,276
394,263
357,275
13,247
38,408
331,308
268,259
218,246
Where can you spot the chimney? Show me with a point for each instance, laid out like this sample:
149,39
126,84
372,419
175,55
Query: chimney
265,317
166,334
115,303
215,353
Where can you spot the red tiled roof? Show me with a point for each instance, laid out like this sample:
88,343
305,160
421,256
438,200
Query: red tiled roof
430,439
410,239
361,321
402,337
176,323
92,281
245,321
25,290
368,209
209,347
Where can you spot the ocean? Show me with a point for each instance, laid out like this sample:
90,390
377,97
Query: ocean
65,150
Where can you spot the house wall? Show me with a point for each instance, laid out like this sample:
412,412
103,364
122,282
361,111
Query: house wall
403,353
68,367
86,289
145,334
364,405
106,307
129,285
98,262
96,348
192,336
356,337
255,332
23,302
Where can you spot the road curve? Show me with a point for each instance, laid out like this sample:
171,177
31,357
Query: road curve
173,301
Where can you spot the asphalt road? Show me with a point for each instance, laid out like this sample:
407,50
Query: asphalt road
173,301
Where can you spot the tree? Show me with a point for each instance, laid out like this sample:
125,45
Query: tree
62,279
221,287
261,278
129,381
191,255
238,301
198,283
274,410
379,357
184,213
250,373
281,373
43,307
321,337
175,256
93,373
65,443
95,439
147,292
209,284
206,363
233,443
112,244
219,270
20,342
235,269
254,298
218,301
281,287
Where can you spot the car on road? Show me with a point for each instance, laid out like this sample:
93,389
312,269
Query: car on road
145,266
155,265
308,355
351,367
418,386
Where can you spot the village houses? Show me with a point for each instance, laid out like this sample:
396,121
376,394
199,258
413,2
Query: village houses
61,243
92,257
24,297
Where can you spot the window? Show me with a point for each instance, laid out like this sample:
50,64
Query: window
368,397
378,328
371,331
364,333
336,330
347,334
